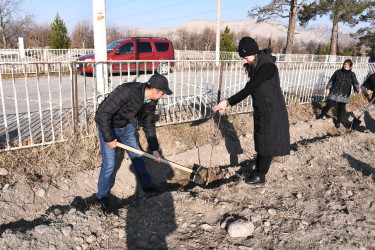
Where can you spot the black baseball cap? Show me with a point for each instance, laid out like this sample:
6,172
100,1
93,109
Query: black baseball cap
160,82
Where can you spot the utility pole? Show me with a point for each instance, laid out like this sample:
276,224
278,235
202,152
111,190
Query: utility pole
218,31
100,47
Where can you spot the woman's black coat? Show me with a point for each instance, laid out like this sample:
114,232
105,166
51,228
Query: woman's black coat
271,123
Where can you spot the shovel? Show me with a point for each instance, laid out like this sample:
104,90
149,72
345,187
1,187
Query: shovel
356,122
195,176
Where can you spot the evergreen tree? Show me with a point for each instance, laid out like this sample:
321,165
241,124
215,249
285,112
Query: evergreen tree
58,39
366,35
344,11
226,41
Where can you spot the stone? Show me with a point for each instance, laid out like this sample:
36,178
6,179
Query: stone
121,233
289,178
91,239
67,230
84,246
206,227
41,229
6,186
3,171
240,228
255,218
40,192
272,211
64,187
153,239
79,240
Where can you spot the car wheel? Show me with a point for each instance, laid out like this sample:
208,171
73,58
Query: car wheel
163,68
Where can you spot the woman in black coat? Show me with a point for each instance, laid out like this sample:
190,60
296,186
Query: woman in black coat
338,90
271,124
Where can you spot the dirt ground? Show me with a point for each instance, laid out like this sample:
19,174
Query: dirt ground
321,196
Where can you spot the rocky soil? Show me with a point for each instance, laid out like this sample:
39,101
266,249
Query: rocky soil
319,197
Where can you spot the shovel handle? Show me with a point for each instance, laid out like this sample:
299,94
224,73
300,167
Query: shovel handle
172,164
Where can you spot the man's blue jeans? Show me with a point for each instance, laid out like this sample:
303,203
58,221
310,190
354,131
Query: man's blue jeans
126,136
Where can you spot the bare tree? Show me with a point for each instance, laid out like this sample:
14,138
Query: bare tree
10,20
114,33
83,35
131,32
280,8
182,39
207,39
38,35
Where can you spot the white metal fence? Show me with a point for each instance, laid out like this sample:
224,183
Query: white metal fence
38,109
31,56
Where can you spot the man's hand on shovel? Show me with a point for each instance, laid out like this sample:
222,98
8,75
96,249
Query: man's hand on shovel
112,144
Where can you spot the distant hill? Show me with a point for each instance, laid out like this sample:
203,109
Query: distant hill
275,29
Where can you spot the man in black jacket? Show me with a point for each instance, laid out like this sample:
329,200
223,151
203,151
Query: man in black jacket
113,118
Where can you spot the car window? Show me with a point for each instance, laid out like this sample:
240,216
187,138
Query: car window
112,46
127,48
162,46
143,47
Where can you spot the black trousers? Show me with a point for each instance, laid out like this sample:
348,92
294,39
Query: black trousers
340,109
263,164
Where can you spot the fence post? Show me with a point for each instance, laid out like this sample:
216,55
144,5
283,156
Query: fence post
74,96
45,59
220,81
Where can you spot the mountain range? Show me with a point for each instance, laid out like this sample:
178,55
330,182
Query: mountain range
269,28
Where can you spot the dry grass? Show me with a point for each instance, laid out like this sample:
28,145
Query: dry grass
44,163
81,152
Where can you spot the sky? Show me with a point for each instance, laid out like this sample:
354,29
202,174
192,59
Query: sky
144,14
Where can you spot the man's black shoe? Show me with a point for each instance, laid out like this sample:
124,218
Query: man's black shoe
103,203
153,189
337,125
256,180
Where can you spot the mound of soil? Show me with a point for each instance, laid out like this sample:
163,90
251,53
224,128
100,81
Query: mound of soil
320,196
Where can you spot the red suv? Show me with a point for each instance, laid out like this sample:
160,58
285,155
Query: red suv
135,48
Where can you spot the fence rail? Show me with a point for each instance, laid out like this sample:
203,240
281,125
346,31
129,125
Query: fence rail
38,109
69,55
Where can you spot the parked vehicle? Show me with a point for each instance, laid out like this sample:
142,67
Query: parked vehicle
135,48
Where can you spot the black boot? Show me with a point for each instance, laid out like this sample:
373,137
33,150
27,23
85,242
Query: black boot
256,180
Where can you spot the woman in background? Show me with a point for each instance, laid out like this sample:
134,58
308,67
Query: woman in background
338,90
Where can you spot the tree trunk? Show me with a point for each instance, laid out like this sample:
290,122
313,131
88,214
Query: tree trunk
4,39
335,32
334,38
3,32
291,27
